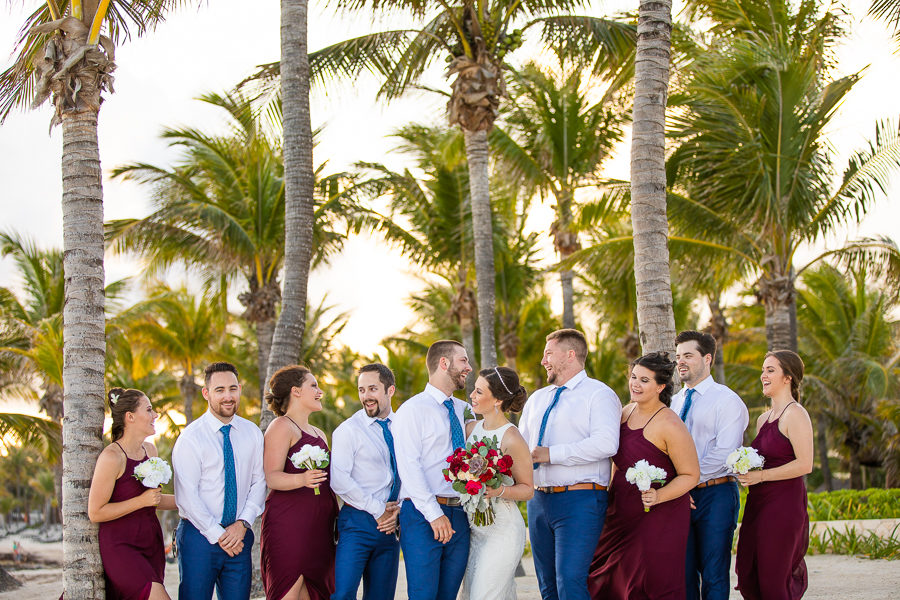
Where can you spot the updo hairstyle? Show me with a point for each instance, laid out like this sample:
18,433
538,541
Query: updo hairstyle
122,401
792,365
280,385
663,373
505,387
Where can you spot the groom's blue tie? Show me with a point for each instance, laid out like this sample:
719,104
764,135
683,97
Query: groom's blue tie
688,396
389,440
456,433
543,429
229,512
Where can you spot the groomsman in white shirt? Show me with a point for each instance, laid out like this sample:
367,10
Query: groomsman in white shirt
434,529
220,489
716,418
572,428
364,474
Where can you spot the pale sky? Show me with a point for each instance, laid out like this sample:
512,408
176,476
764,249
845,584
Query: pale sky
211,49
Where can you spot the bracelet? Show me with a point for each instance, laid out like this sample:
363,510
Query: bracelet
502,489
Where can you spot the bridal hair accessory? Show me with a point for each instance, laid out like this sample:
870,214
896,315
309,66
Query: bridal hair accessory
500,377
114,398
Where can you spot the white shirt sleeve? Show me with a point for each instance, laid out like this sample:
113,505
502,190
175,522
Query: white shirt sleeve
187,466
344,449
256,497
732,419
603,440
406,431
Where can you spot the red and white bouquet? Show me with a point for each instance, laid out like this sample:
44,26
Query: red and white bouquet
473,469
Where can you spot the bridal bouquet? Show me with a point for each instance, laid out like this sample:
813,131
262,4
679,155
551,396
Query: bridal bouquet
310,457
743,460
473,469
643,474
153,472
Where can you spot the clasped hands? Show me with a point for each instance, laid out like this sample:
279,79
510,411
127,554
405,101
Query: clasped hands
387,522
232,540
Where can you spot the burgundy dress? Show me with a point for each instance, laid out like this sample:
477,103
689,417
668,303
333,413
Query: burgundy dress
298,534
132,545
640,554
774,534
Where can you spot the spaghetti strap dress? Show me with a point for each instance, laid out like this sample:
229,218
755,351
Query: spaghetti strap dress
131,546
297,536
774,532
640,554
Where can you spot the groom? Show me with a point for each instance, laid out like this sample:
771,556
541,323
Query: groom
427,429
572,428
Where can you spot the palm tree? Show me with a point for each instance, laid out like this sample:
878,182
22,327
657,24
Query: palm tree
754,170
64,56
220,210
299,183
648,177
888,11
558,140
181,330
474,37
849,342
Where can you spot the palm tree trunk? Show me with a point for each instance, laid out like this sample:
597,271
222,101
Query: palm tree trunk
188,388
822,443
265,330
566,278
718,325
482,229
855,469
656,319
84,348
299,183
780,323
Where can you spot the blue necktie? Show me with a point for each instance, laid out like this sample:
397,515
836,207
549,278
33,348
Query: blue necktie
229,512
688,396
456,433
543,429
389,440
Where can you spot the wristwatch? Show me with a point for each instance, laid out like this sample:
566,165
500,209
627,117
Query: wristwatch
244,523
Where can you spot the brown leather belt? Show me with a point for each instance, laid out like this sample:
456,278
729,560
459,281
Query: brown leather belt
555,489
448,501
716,481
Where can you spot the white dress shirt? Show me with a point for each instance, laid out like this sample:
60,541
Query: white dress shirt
716,419
582,431
199,465
361,463
422,442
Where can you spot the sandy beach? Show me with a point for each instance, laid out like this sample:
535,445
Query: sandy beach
831,577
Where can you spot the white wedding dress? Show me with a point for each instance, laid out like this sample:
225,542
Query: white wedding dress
494,550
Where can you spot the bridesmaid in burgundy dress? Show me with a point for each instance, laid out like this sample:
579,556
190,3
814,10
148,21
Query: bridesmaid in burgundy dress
131,540
297,540
775,531
641,554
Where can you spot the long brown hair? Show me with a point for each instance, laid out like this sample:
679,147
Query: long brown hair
792,365
122,401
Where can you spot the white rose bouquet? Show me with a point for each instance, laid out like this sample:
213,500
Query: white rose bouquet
743,460
153,472
310,457
643,474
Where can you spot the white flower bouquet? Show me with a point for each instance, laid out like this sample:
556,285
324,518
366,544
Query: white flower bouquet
310,457
643,475
743,460
153,472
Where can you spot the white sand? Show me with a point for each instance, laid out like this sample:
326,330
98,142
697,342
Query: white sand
830,577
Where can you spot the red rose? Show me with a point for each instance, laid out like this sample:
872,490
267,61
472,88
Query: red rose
447,477
492,453
473,487
486,476
505,463
464,467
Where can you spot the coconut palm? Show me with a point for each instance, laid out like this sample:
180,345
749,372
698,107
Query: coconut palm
299,183
558,138
754,170
849,343
62,56
888,11
475,38
220,211
182,331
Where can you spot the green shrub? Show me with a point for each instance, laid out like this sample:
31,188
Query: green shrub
852,542
854,504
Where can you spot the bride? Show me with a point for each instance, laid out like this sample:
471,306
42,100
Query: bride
495,550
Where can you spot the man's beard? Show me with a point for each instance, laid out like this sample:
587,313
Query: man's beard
456,376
